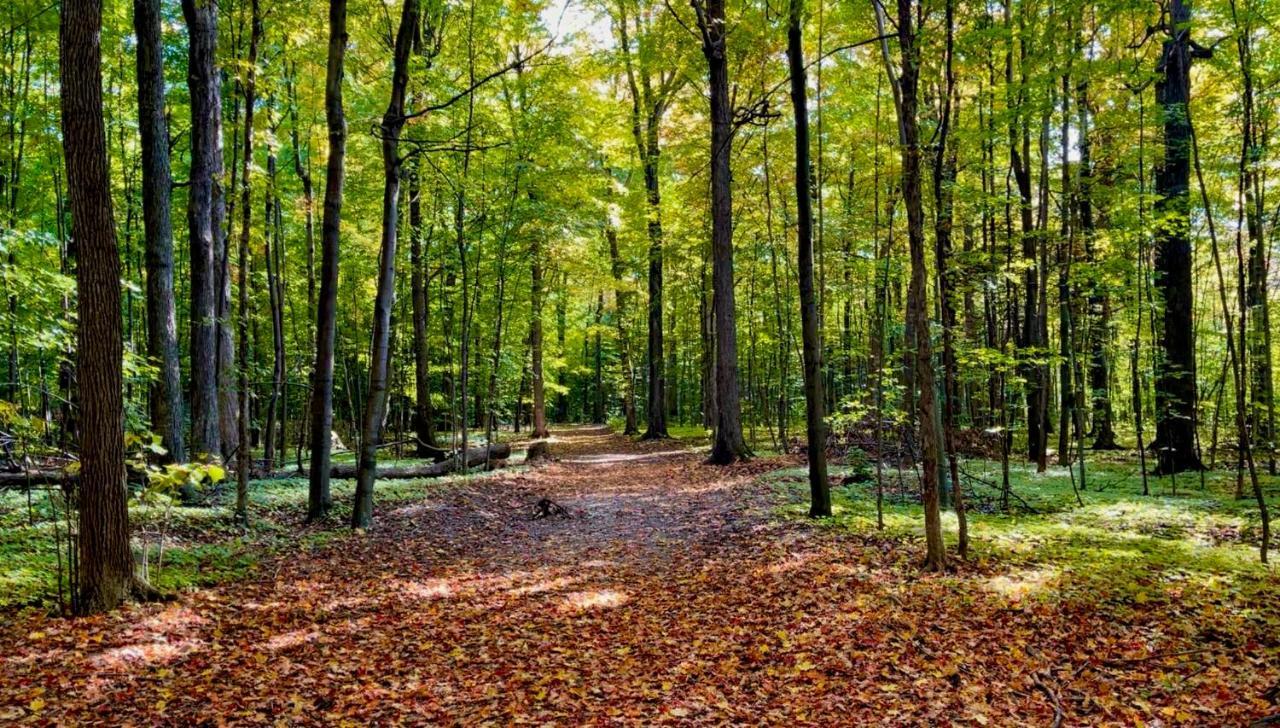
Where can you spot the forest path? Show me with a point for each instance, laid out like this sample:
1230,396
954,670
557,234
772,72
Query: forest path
670,594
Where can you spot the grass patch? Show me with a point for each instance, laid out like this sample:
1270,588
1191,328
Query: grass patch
1119,545
202,545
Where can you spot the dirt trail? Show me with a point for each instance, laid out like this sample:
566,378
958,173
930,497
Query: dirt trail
669,594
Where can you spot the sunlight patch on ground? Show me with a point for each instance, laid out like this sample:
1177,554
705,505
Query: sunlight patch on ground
118,659
428,589
418,509
791,563
1017,585
291,639
611,458
544,585
595,599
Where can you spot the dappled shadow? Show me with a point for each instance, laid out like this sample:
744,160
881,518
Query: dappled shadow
668,593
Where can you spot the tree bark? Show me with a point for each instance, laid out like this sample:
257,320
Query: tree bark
203,224
644,129
157,183
319,499
917,307
535,342
423,417
105,575
1176,368
246,216
380,352
815,400
729,445
622,300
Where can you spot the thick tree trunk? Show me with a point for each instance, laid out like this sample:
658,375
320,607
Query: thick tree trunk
162,327
819,488
375,403
1176,368
105,575
319,499
203,223
729,445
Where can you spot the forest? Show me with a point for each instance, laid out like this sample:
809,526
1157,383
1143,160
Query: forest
623,361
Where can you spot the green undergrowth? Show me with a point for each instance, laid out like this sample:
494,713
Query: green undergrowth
1118,546
202,545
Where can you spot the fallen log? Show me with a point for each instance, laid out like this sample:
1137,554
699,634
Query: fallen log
475,456
46,477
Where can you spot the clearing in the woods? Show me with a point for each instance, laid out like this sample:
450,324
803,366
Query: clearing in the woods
674,591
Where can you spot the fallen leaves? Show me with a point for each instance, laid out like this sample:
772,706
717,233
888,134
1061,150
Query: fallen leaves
671,597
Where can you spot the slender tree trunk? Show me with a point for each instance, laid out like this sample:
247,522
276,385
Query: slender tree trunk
272,254
106,575
319,499
815,399
944,178
244,461
917,307
423,417
622,300
535,342
375,404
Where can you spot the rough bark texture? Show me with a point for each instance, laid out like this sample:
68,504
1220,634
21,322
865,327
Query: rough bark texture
819,488
729,444
380,350
162,327
203,224
105,562
535,344
1176,367
319,499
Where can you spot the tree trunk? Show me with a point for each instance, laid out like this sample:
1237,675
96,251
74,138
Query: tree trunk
535,342
246,215
203,224
105,575
622,300
729,445
1176,369
944,178
819,488
162,328
319,499
422,415
917,306
380,351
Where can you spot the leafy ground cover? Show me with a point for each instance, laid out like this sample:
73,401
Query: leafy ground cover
676,592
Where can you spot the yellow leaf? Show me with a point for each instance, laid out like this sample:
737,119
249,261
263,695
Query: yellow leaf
36,705
160,706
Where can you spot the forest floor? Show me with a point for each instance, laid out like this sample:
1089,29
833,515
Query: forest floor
673,592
